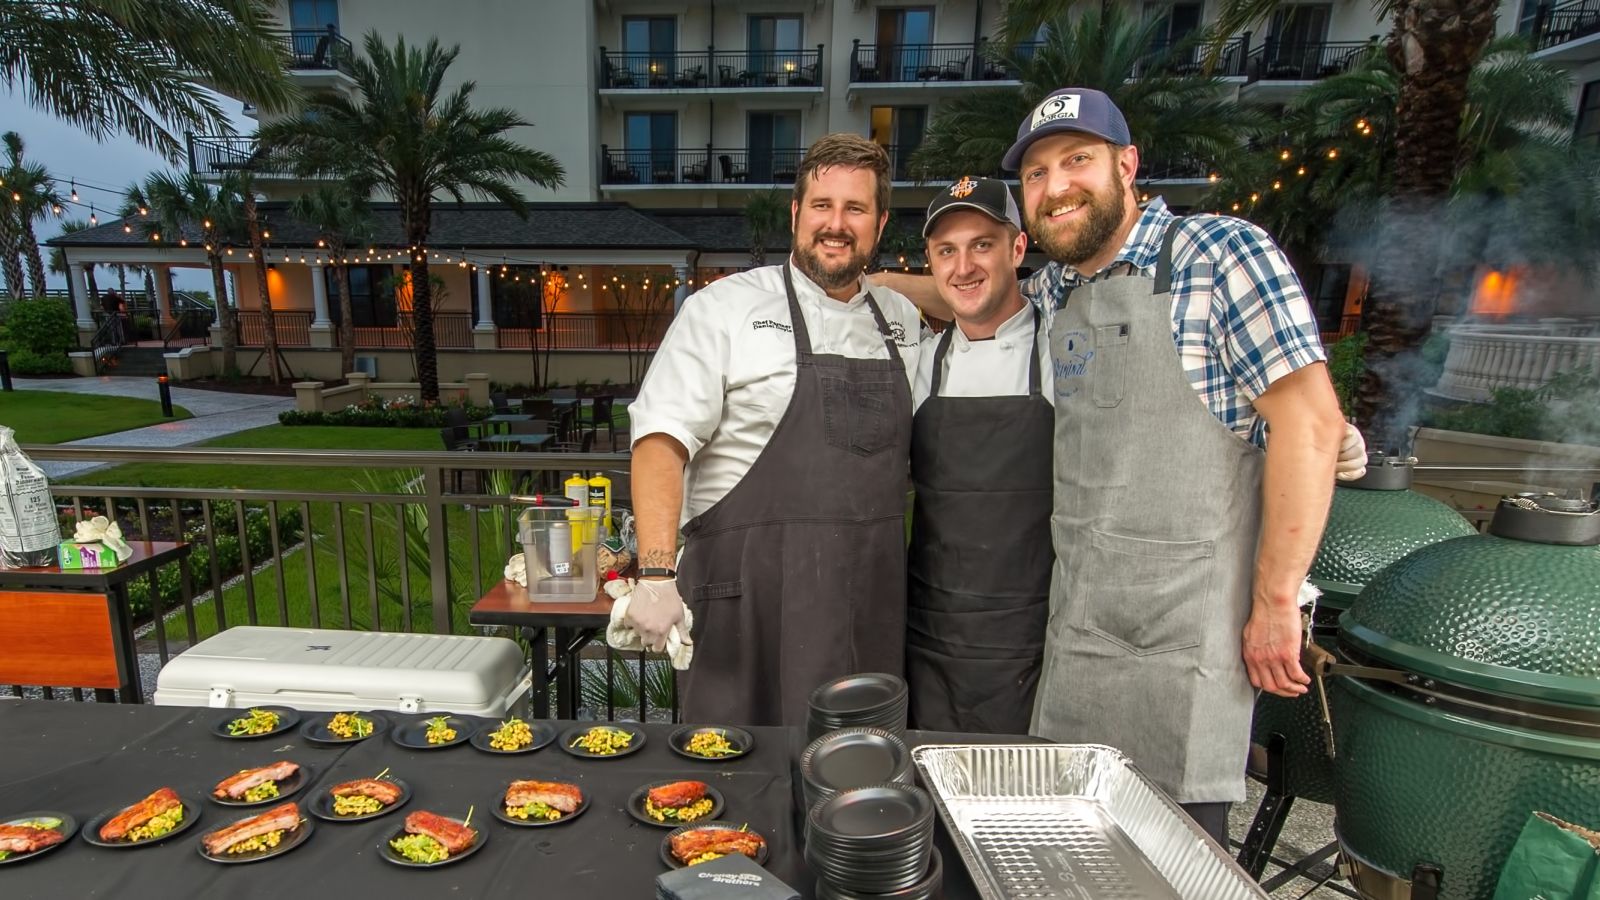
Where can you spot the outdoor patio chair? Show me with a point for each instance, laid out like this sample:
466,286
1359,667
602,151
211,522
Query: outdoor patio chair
458,438
691,78
618,77
456,417
729,173
502,405
726,77
806,76
584,444
561,393
695,172
600,417
539,407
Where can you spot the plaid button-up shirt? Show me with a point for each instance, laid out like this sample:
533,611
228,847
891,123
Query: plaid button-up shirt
1240,318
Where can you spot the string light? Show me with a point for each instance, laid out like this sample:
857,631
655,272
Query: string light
93,219
1300,171
74,191
1277,185
1284,155
1213,177
1333,153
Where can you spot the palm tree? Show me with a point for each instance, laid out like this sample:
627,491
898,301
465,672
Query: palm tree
258,257
404,135
113,66
1175,118
341,216
178,206
30,192
766,216
58,258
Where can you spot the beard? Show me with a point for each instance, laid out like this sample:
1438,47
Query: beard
1102,219
839,275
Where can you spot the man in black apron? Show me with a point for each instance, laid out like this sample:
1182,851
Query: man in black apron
795,572
980,558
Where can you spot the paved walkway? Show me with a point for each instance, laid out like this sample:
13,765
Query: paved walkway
216,413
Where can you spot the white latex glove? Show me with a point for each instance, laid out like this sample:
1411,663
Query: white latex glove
653,610
1352,462
105,531
620,633
517,570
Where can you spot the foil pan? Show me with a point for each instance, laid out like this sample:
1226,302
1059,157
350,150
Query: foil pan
1071,821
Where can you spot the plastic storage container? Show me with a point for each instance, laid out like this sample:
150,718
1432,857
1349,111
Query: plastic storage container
558,544
326,670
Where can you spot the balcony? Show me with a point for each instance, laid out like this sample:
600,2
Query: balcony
1275,71
217,155
710,72
313,50
1186,58
1568,34
705,167
906,68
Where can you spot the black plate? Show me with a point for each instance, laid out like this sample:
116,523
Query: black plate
287,719
499,810
414,735
858,695
321,804
741,740
636,804
286,788
543,735
876,816
389,855
572,734
316,728
672,861
91,830
290,841
67,828
855,757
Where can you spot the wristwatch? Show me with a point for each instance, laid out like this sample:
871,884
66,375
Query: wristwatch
657,572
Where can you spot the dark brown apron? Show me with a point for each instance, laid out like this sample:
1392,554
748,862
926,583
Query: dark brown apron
797,576
980,559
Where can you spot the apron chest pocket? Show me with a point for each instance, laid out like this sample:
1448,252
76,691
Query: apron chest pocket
856,414
1146,596
1110,357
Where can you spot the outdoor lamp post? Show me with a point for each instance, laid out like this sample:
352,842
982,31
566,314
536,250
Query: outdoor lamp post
166,395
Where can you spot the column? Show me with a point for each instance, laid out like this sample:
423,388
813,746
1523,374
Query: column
484,336
164,294
230,278
321,324
684,289
81,302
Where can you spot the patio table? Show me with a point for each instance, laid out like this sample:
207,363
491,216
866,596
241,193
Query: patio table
502,421
525,442
82,758
574,626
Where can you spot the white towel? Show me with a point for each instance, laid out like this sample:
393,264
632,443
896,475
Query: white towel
619,635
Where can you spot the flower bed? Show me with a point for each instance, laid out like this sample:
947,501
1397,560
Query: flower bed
398,412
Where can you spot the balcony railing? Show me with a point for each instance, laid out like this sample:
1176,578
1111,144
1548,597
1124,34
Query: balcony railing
591,331
1482,359
705,165
221,154
900,63
293,328
1567,22
710,68
451,331
1190,59
1279,61
312,49
1179,169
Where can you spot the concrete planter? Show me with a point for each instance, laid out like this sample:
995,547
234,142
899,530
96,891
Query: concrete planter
1438,447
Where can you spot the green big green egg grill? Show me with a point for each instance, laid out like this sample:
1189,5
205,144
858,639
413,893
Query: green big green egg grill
1373,522
1466,695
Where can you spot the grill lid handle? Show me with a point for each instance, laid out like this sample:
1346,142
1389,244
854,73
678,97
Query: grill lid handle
1547,519
1384,473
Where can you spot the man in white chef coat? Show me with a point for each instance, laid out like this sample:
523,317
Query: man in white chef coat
774,424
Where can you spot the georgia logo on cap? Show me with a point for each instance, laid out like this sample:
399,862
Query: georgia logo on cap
1053,108
963,187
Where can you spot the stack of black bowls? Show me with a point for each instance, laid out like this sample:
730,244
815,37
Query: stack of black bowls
874,842
852,758
867,700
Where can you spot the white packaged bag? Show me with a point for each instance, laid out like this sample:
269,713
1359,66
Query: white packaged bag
29,533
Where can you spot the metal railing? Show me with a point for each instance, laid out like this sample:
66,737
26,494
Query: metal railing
703,165
413,541
1309,61
898,63
1567,22
314,49
590,331
1187,58
1179,169
451,331
190,324
293,328
711,68
221,154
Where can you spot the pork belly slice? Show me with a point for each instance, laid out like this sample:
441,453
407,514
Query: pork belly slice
452,835
235,786
385,792
162,800
554,794
677,794
283,817
27,839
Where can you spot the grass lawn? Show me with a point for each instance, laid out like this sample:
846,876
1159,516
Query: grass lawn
332,564
51,417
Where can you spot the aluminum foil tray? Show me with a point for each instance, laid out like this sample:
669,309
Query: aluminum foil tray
1071,821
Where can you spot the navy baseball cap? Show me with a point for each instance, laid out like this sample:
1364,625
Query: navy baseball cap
990,196
1084,110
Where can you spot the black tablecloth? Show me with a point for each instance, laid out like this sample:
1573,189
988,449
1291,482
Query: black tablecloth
82,759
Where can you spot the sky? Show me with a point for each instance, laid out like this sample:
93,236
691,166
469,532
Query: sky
69,153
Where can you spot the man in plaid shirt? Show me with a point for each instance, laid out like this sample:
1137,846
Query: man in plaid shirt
1182,534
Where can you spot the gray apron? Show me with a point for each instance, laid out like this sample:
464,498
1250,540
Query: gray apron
1157,512
797,576
980,560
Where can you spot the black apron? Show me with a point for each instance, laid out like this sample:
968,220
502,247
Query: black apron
797,576
980,559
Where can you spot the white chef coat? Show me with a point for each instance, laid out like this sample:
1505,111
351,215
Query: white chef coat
990,368
724,373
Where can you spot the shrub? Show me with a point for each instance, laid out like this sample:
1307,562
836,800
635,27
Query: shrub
374,415
1345,365
27,362
39,333
1566,410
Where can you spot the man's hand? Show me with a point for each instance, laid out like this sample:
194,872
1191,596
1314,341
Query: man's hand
1272,641
1352,462
653,608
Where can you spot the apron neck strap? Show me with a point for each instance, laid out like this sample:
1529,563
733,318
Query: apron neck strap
944,348
1163,283
802,338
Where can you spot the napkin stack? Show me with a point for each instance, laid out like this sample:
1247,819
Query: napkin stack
732,876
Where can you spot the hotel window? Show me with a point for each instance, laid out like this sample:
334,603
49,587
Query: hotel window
774,44
1589,114
651,45
313,15
516,296
1177,20
774,146
898,129
372,300
650,140
903,36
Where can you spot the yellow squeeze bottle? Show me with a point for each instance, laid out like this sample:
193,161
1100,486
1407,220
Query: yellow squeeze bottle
600,496
576,489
